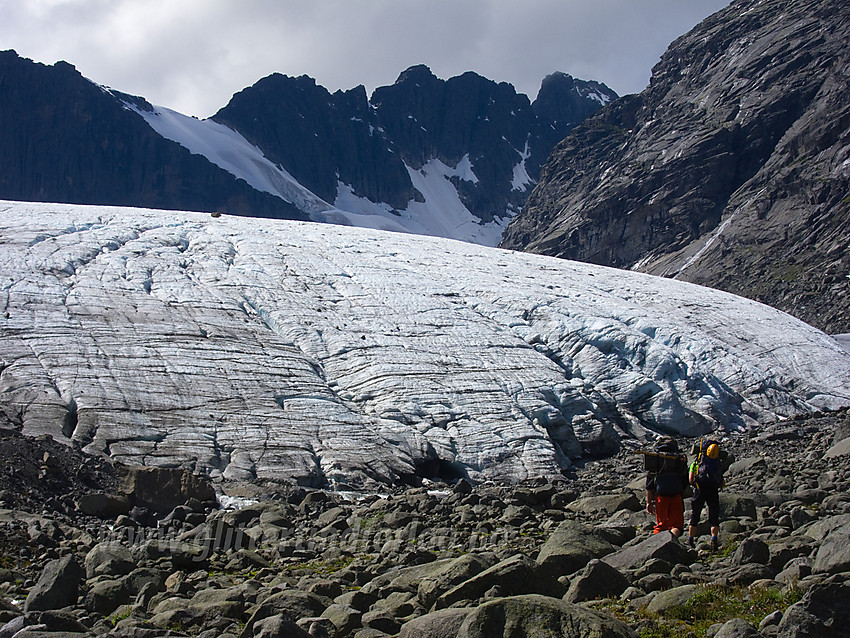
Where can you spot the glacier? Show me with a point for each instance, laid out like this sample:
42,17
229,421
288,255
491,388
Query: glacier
266,350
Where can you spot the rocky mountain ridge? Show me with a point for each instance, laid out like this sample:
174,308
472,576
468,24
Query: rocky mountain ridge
358,160
731,169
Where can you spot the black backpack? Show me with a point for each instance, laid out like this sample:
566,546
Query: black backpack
671,471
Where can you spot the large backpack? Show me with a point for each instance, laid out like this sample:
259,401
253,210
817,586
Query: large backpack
671,470
709,471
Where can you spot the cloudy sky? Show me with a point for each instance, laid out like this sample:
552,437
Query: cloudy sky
192,55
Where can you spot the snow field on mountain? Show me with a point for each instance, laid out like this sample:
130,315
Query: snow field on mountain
442,214
280,350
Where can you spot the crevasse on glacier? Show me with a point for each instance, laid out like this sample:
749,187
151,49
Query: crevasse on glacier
317,353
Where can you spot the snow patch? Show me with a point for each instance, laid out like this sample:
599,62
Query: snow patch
443,214
464,171
229,150
521,179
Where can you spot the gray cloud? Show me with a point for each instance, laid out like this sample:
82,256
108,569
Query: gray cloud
192,55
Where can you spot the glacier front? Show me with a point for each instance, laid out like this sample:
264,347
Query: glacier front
325,355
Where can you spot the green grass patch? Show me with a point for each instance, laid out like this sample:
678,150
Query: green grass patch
120,614
375,520
715,604
323,567
710,604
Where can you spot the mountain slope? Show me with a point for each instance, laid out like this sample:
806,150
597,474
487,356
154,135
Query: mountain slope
452,158
311,352
63,138
417,148
732,169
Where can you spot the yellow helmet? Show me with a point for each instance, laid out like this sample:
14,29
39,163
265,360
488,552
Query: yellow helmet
713,451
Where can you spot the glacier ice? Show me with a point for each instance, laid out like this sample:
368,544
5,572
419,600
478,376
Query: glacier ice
274,350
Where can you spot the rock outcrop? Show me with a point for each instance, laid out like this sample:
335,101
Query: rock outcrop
326,140
289,351
731,169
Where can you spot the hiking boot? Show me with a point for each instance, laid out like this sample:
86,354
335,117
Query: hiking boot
692,542
714,543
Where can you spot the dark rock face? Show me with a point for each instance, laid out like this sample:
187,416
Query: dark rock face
315,135
65,139
161,489
57,585
322,138
730,169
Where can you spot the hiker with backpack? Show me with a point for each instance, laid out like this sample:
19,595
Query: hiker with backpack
706,477
666,482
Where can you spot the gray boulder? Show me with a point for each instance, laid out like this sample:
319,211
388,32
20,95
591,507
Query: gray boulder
512,577
745,465
825,527
450,575
570,547
606,504
105,596
823,612
277,626
403,579
109,559
842,448
357,599
671,598
14,626
444,623
536,616
748,574
345,619
597,580
795,570
833,555
784,550
293,604
737,628
183,555
382,621
751,550
57,586
736,505
663,546
143,577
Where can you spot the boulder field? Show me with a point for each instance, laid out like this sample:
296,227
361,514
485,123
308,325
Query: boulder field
96,555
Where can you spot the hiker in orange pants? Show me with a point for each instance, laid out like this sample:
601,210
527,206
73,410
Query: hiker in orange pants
665,486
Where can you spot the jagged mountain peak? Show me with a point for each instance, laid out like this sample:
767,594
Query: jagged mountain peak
65,138
416,73
454,157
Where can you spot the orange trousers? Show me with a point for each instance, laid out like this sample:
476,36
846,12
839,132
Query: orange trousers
669,513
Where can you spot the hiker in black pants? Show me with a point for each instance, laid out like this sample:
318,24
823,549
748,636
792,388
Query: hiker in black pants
706,476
